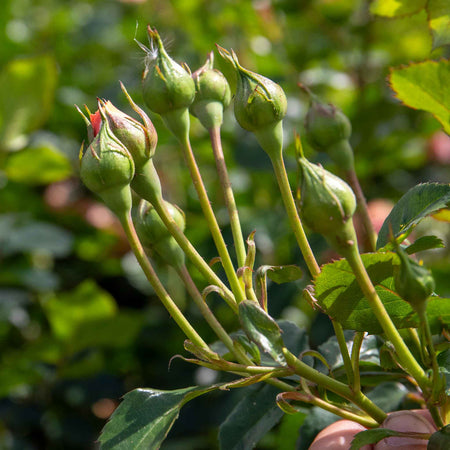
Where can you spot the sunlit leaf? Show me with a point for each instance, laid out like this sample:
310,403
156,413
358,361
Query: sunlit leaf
419,202
396,8
425,86
144,418
27,89
439,21
38,165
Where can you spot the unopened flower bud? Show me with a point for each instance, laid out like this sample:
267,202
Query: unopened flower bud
413,282
212,94
326,203
328,129
155,236
168,88
107,168
259,105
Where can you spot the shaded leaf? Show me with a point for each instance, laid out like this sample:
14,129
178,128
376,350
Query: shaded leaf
396,8
27,89
439,21
144,418
425,86
262,329
424,243
388,396
250,420
38,165
419,202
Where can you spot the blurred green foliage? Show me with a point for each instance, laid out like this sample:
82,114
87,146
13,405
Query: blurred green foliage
78,325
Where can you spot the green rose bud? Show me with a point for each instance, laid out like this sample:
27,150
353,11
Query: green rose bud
413,282
212,94
106,167
328,129
168,88
325,202
154,235
259,105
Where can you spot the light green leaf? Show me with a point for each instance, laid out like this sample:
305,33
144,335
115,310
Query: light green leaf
39,165
66,312
419,202
439,21
396,8
424,243
262,329
425,86
27,89
340,296
144,418
250,419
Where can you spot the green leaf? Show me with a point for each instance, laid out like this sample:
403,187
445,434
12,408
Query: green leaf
396,8
439,21
371,437
262,329
424,243
38,165
425,86
144,418
66,312
27,88
250,419
316,421
440,440
388,396
419,202
39,236
340,296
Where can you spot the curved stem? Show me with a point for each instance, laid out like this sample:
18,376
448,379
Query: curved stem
191,252
406,358
230,203
339,332
352,179
153,279
358,398
356,348
211,219
294,219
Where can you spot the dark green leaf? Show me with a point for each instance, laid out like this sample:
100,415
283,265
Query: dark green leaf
439,21
288,430
38,165
144,418
419,202
440,440
250,420
424,243
396,8
425,86
371,437
262,329
388,396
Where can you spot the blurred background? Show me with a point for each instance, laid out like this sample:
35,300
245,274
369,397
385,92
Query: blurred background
79,326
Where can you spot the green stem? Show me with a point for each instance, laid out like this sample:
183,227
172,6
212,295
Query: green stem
230,203
339,332
352,179
407,360
358,398
191,252
294,219
356,348
210,217
153,279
